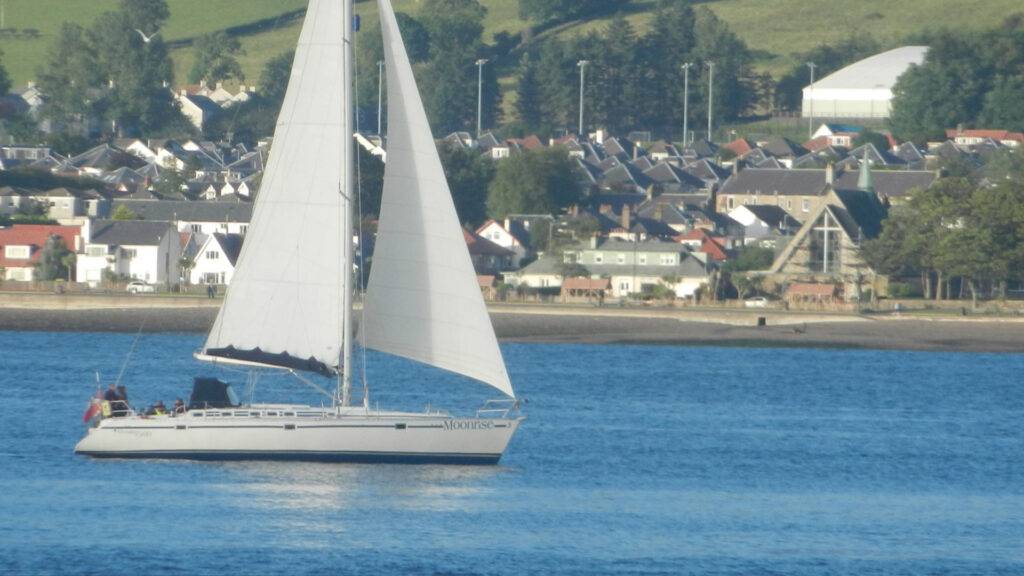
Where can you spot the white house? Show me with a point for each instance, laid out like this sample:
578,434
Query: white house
763,221
206,217
511,235
135,249
216,258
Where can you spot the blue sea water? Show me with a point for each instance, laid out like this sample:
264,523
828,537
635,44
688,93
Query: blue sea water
633,460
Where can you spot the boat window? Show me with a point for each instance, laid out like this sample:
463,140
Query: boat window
255,414
197,414
289,413
237,414
271,413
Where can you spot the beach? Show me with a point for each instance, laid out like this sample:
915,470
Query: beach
581,324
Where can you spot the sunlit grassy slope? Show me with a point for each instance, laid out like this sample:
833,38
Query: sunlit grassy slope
776,29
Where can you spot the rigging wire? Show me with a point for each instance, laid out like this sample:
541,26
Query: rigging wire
359,225
131,351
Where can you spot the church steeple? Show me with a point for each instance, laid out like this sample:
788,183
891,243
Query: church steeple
865,181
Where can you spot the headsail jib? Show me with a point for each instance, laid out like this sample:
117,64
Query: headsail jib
423,300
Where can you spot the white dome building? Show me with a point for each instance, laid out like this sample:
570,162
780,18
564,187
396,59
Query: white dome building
862,89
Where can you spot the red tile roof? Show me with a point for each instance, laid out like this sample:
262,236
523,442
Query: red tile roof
586,284
993,134
35,236
713,246
739,146
818,290
487,281
815,144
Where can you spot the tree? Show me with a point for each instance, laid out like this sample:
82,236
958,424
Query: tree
866,136
572,270
538,181
51,264
146,15
186,264
546,11
469,174
123,212
750,257
274,78
215,59
171,185
71,74
5,79
1002,104
747,284
529,107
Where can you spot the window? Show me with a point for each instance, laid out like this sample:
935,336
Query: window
212,255
17,252
731,203
243,229
806,206
129,253
197,227
598,258
642,259
668,259
210,278
789,204
620,258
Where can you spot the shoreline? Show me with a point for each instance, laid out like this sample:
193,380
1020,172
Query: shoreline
586,325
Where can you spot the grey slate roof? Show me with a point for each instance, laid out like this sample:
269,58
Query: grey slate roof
888,183
129,232
198,211
771,215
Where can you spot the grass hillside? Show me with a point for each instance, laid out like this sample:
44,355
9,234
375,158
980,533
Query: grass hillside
776,29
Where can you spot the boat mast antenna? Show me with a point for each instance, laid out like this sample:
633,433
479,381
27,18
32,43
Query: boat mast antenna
348,188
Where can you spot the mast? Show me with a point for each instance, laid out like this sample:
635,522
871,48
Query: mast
348,191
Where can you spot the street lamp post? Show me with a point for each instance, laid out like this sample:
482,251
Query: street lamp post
686,100
810,102
380,95
711,92
479,94
583,68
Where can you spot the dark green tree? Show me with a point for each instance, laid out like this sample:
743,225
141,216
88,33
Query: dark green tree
750,258
274,78
145,15
469,174
545,11
1002,104
716,43
542,181
71,79
5,79
216,59
52,263
529,106
871,137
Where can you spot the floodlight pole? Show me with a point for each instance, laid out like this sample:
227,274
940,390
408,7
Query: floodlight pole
583,68
810,102
686,100
380,95
711,92
479,95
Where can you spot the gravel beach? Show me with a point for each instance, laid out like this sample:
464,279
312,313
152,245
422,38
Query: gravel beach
948,334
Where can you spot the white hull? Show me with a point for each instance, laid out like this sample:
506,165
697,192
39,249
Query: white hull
280,432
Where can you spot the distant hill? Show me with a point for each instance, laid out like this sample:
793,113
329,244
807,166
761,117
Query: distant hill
775,30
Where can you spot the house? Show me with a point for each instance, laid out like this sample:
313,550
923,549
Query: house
488,286
632,268
826,249
22,245
839,134
15,156
702,242
510,235
799,192
215,260
973,137
763,222
198,109
197,216
140,250
487,257
103,158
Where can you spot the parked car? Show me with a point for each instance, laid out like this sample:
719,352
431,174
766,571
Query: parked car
139,287
756,302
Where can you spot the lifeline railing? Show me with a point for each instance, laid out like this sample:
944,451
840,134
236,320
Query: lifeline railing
498,408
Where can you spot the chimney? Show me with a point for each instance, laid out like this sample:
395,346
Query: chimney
593,242
605,209
508,224
830,173
626,217
636,151
650,192
220,85
735,166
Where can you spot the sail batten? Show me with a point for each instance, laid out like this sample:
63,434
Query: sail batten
284,304
423,300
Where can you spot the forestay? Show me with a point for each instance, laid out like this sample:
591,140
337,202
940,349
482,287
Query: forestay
284,305
423,301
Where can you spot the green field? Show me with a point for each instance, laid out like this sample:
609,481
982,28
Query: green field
775,29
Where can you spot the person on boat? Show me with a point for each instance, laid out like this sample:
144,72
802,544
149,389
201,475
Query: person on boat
157,409
109,401
179,406
120,406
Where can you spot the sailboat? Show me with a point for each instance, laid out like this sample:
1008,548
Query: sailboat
290,305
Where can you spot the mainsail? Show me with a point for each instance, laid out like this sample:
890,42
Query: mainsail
284,307
423,300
